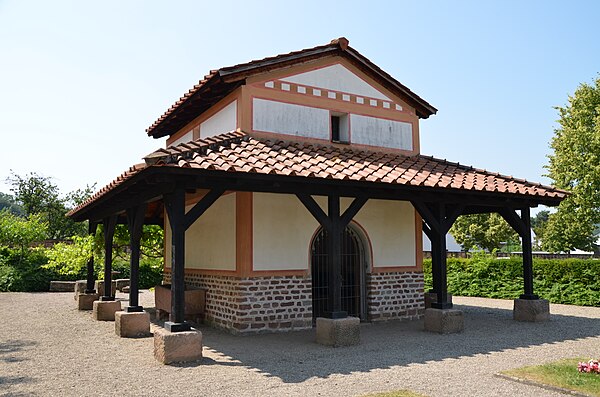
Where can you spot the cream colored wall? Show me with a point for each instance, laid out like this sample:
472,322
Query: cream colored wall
283,230
390,226
210,241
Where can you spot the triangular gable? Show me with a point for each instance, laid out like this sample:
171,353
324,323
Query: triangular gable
336,78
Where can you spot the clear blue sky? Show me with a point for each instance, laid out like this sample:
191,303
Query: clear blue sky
80,81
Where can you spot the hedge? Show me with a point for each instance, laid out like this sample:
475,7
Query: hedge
568,281
25,272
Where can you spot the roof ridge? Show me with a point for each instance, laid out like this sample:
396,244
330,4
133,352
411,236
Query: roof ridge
231,77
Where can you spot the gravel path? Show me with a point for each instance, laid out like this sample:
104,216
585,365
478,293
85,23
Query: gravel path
48,348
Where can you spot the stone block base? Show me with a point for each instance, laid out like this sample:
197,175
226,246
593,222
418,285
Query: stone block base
62,286
431,297
338,332
100,287
177,347
80,286
534,310
86,301
444,321
121,283
132,325
105,310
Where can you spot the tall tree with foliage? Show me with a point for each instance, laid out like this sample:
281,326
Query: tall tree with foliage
487,231
38,195
575,166
8,202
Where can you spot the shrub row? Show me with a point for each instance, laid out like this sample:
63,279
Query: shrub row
568,281
24,271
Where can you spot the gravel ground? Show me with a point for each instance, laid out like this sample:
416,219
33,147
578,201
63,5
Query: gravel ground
48,348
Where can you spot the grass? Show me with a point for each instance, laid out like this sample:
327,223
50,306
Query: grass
560,374
396,393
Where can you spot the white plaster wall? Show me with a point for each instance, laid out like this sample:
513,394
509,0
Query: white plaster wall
338,78
183,139
381,132
283,230
210,241
223,121
390,226
285,118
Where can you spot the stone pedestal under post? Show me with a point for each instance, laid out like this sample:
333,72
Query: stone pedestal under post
431,297
338,332
86,301
132,324
100,287
80,287
444,321
177,347
531,310
105,310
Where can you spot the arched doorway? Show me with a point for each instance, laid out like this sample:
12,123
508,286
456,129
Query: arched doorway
353,273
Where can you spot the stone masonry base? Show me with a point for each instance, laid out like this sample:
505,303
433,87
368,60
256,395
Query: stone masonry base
338,332
395,296
132,325
535,310
177,347
86,301
244,305
105,310
444,321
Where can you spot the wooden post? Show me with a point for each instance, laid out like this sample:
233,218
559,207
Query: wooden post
440,276
334,273
175,204
135,224
334,224
109,231
522,225
438,219
89,286
527,256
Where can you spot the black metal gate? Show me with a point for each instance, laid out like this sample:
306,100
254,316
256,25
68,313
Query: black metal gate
353,274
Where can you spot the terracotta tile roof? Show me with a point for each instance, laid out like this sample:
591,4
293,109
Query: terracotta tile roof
238,152
133,170
241,71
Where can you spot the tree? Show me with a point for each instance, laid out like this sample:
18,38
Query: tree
38,195
538,224
8,201
486,231
18,232
575,166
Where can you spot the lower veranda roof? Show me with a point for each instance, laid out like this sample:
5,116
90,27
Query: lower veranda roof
239,152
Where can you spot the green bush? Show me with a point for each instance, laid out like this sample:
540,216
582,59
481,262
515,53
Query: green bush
23,270
568,281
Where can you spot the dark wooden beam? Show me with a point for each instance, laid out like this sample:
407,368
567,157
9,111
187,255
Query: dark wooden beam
201,206
109,224
352,210
90,279
135,224
438,218
334,273
315,209
175,206
514,220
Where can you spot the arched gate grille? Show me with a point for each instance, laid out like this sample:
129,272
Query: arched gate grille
353,274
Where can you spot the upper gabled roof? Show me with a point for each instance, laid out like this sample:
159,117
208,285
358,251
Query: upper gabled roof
219,83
